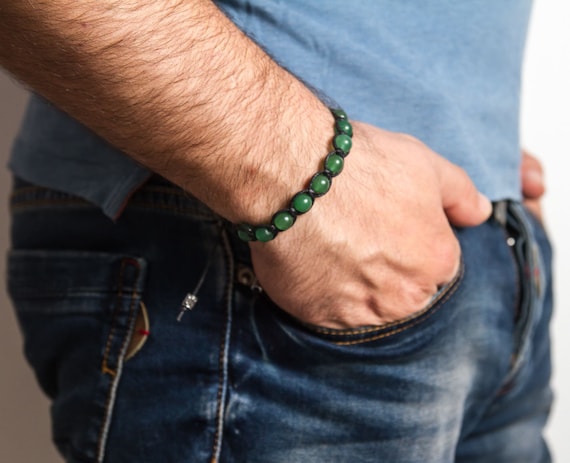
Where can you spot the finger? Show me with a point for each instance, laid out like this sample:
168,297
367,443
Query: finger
464,205
535,207
532,176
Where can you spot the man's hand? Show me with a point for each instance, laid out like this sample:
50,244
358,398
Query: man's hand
532,180
178,87
377,247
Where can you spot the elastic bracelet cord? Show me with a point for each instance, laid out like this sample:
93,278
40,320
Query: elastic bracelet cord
318,186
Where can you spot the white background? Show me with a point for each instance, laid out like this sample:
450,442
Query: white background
546,132
24,424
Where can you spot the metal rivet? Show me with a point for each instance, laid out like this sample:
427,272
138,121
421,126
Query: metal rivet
511,241
245,276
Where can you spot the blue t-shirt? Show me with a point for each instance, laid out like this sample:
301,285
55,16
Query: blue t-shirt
445,71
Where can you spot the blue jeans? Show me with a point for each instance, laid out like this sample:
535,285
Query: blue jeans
239,380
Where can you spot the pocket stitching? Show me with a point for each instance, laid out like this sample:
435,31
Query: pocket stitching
440,299
104,366
103,432
419,318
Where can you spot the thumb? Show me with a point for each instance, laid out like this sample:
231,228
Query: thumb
464,205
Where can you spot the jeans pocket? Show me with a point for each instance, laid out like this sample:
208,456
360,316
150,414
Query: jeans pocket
368,334
77,312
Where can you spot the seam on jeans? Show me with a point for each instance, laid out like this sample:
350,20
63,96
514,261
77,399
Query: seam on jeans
183,210
169,190
518,282
450,290
48,202
32,294
419,319
224,353
160,189
32,189
109,405
104,366
63,198
524,318
26,189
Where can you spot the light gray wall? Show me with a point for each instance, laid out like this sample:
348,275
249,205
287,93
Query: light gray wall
24,424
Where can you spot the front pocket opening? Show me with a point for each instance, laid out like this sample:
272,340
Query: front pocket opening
141,332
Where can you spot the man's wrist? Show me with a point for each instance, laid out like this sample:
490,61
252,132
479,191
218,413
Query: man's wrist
320,183
178,87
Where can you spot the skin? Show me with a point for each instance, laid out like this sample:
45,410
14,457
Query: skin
175,85
532,180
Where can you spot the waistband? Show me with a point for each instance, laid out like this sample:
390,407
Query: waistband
159,194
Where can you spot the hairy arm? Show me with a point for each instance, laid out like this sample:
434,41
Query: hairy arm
178,87
175,85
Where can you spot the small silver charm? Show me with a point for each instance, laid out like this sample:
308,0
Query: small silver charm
187,304
191,298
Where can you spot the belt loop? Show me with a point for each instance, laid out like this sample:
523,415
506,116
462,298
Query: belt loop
500,209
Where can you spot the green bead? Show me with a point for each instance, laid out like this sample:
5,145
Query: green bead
302,202
243,235
264,234
343,143
283,220
339,113
320,184
343,126
334,163
245,232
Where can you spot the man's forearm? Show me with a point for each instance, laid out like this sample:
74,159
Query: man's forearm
181,89
178,87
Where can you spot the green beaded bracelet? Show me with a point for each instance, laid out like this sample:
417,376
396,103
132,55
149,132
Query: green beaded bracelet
319,185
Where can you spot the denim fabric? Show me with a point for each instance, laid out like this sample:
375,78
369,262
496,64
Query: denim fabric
239,380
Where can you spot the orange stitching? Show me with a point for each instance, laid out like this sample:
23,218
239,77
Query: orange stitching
175,189
132,307
403,328
349,332
41,202
160,189
26,189
167,189
104,367
187,210
194,211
